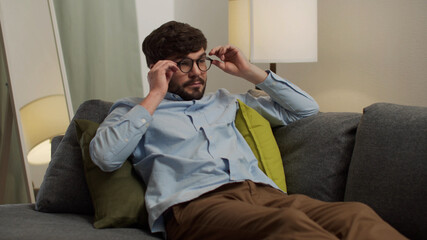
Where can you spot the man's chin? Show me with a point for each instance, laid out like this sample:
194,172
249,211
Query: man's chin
193,94
189,93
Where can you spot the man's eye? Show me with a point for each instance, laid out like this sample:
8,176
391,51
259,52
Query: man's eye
186,63
202,60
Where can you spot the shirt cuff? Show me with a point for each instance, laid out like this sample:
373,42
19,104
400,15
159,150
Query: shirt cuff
139,116
274,83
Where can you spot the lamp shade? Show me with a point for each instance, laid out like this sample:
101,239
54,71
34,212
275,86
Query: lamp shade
279,31
42,119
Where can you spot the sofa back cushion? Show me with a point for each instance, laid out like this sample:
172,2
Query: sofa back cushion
64,188
388,168
316,153
117,196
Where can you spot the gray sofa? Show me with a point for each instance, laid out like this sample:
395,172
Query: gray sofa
378,157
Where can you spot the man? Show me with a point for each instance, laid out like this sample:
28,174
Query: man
203,181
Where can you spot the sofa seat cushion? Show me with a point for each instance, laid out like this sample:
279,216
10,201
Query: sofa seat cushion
388,168
316,153
22,222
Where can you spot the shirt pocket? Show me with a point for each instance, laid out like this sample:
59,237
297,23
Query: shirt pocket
220,115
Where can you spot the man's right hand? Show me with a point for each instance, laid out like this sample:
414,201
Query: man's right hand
158,77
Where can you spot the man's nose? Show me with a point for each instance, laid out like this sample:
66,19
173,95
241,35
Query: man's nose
195,70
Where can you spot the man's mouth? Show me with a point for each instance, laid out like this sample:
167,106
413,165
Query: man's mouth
194,83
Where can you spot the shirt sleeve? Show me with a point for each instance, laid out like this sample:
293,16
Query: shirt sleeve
284,103
119,134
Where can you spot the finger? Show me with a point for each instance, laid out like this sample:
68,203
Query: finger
214,51
223,51
227,52
173,67
219,64
219,52
163,68
163,64
170,72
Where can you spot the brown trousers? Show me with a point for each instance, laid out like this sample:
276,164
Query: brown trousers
254,211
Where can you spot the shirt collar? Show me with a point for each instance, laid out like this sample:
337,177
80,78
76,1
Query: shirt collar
173,97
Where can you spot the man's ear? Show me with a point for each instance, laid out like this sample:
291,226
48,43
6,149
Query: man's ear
151,66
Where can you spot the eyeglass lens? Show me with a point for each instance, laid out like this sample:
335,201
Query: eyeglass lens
187,64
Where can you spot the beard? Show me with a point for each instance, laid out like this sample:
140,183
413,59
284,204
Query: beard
186,92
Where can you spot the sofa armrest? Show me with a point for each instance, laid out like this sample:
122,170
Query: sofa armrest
389,166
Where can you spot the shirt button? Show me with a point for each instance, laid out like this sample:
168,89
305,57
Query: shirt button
143,120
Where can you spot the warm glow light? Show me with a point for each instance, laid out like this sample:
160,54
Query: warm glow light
239,28
276,31
40,154
43,119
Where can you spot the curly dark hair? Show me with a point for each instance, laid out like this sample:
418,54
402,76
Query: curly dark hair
172,39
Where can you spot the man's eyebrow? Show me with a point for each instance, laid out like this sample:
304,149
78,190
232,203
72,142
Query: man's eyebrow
200,56
177,59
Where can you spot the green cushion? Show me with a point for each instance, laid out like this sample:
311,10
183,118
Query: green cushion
118,196
258,134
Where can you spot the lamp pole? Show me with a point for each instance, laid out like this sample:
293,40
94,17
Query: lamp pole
273,67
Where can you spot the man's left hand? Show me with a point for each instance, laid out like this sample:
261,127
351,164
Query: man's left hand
235,63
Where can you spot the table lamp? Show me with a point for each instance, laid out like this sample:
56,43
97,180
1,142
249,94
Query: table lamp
274,31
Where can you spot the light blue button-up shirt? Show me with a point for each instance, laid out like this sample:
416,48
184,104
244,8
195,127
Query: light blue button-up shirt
188,148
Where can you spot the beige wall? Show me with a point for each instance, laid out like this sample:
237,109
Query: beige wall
369,51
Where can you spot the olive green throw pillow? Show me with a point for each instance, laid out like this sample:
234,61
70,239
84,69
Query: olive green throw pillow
258,134
118,196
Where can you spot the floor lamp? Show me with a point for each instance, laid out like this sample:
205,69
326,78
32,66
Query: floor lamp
274,31
42,119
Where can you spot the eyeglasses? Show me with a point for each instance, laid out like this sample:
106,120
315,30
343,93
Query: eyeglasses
186,64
